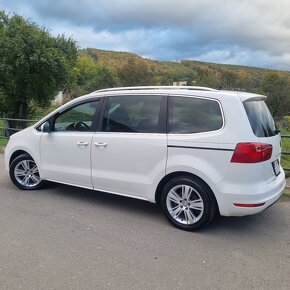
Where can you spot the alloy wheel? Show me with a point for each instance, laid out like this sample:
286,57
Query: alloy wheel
26,173
185,204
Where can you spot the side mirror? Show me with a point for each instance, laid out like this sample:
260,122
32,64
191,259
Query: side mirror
45,127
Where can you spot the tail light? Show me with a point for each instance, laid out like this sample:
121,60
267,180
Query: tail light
252,152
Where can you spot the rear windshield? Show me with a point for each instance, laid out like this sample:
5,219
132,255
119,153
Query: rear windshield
260,118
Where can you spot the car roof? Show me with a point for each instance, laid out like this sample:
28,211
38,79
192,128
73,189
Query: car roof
174,90
179,90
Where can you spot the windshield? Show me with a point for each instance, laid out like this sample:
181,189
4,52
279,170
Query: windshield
260,118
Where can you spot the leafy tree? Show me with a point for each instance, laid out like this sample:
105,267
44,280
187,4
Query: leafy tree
276,87
84,69
190,80
245,82
207,77
103,78
34,65
88,76
136,73
229,80
165,80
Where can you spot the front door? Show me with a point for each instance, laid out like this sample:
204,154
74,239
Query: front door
65,151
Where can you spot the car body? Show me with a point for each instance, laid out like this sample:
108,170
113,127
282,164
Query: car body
159,144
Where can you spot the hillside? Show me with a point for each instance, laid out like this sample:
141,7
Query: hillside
183,70
97,69
117,59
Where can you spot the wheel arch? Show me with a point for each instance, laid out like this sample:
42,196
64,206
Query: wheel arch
172,175
16,154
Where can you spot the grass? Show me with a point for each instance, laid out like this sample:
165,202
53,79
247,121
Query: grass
286,148
3,142
285,159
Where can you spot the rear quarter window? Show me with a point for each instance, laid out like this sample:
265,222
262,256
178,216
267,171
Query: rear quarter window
194,115
260,118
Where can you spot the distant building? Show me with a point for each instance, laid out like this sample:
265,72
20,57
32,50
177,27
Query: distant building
180,83
59,98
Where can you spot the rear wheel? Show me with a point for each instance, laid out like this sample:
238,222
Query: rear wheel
24,173
188,203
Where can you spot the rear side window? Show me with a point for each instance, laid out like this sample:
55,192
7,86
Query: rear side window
135,114
194,115
260,118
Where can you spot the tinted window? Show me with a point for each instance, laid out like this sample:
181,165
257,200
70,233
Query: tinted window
78,118
138,114
260,118
194,115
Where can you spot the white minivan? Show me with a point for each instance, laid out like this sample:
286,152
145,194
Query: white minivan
196,151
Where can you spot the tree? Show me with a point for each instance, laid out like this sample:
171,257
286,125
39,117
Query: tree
89,75
136,73
103,78
276,87
245,82
229,79
34,65
207,77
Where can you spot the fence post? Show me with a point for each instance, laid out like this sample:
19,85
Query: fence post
6,129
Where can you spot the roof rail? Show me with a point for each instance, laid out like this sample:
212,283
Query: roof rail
193,88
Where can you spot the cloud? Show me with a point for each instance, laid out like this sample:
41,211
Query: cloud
238,31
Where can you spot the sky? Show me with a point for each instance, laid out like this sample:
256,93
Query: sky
243,32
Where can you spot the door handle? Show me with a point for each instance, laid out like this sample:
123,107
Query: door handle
101,144
82,144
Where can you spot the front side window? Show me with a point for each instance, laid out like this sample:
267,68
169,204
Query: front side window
194,115
139,114
78,118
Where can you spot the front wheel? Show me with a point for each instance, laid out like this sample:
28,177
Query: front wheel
187,203
24,173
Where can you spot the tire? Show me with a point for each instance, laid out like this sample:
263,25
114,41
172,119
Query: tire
24,173
187,203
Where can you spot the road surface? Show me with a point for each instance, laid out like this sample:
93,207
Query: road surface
63,237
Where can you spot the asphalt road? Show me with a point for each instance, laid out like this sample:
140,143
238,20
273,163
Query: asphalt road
68,238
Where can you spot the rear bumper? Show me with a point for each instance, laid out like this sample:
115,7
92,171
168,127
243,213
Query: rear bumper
261,193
